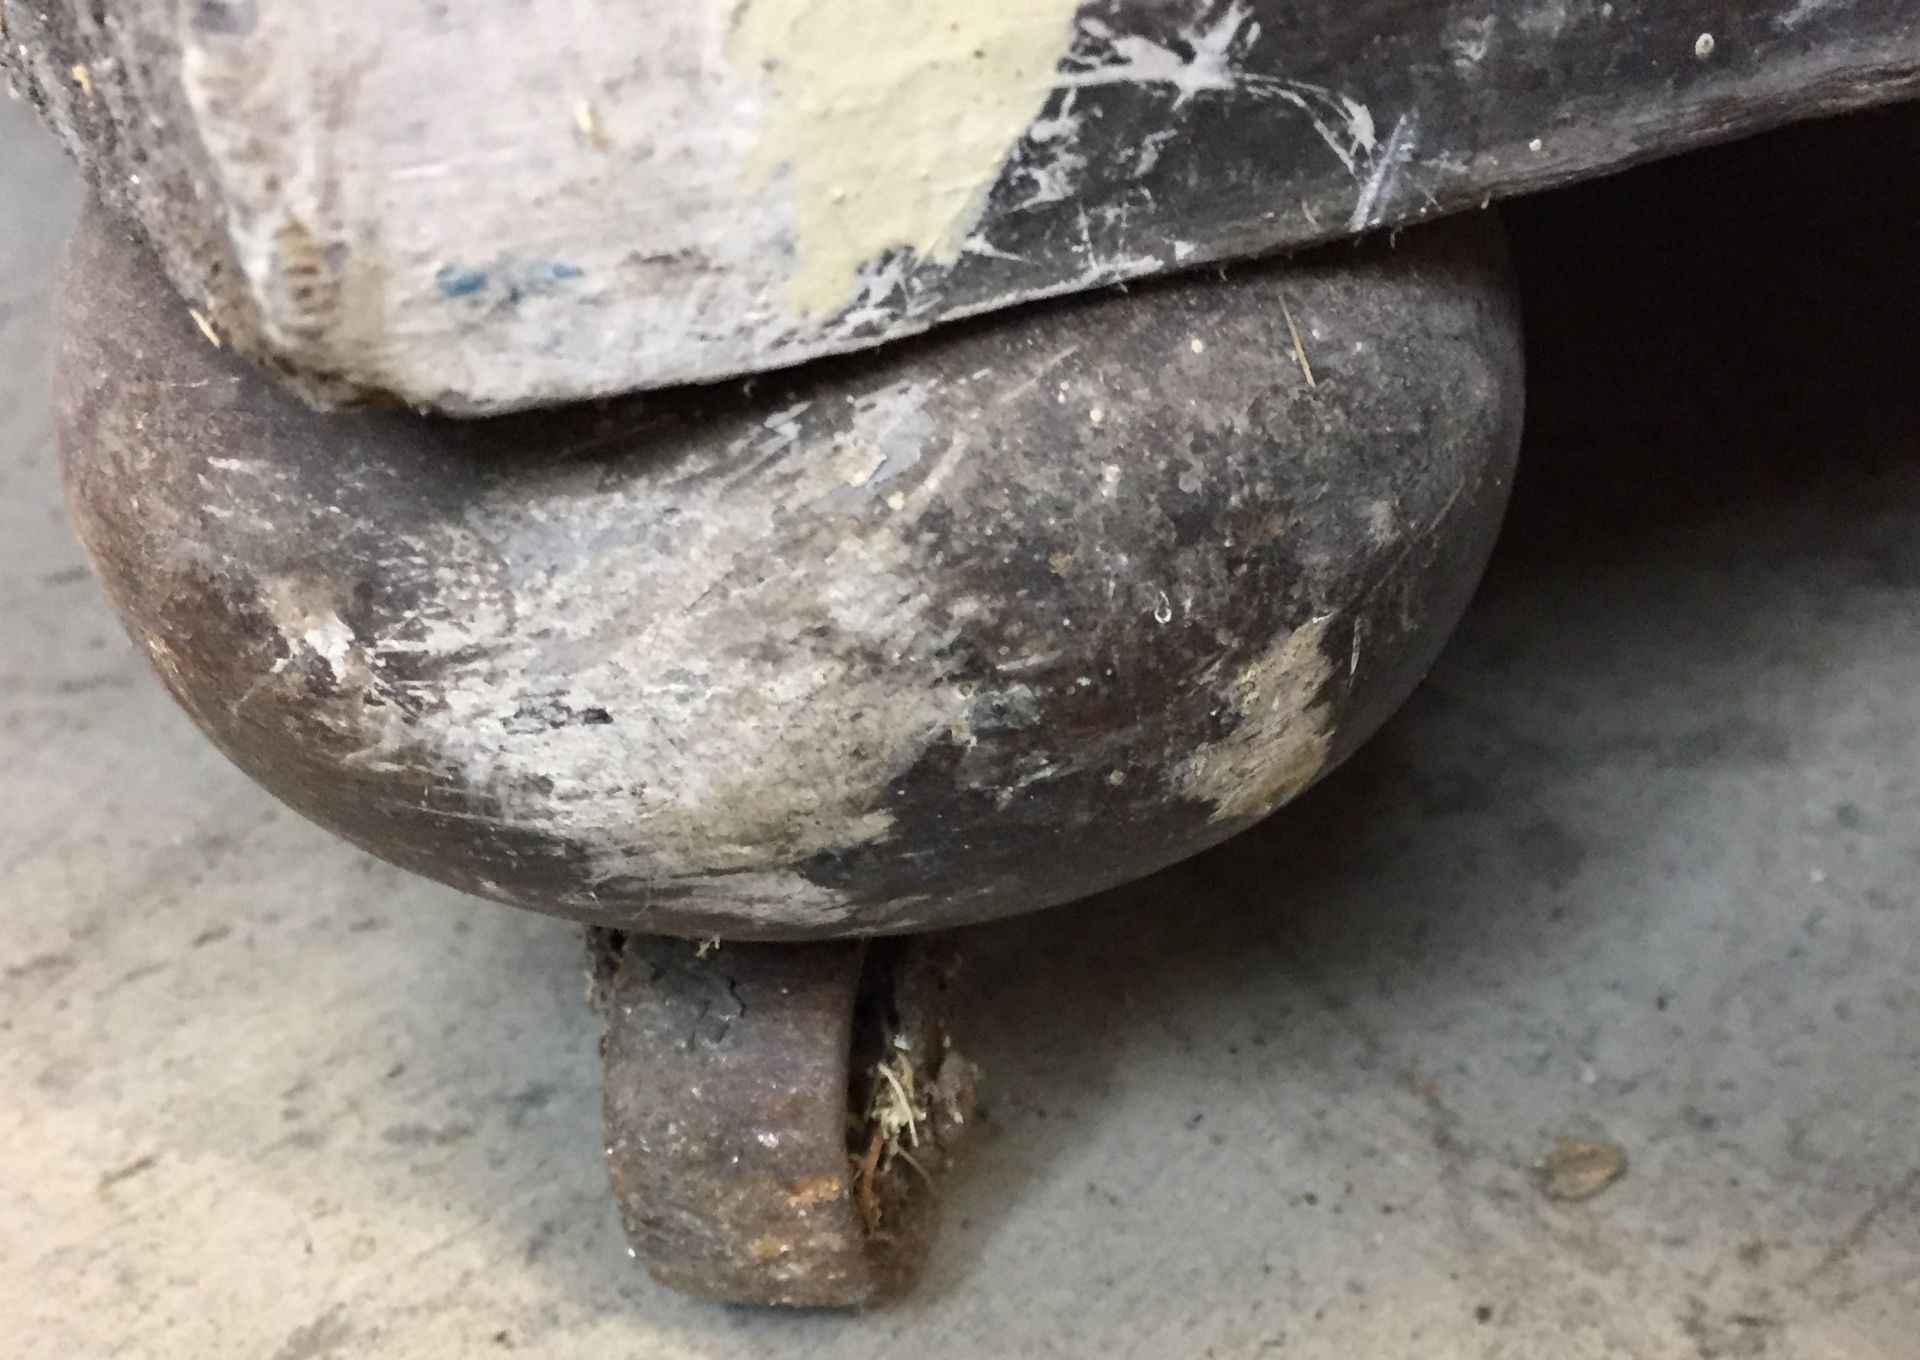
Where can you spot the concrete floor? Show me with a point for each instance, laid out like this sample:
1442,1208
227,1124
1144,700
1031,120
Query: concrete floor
1639,863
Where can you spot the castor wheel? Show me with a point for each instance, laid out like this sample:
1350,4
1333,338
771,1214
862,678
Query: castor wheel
743,676
777,1114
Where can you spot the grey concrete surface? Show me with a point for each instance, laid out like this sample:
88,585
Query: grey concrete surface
1637,864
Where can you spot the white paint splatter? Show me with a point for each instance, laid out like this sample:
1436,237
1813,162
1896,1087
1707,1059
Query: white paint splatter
1136,60
330,639
1804,11
1050,165
873,305
1151,146
1345,124
1384,177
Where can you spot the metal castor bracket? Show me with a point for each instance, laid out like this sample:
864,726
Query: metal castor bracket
778,1116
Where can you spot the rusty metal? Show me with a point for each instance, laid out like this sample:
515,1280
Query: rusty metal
777,1114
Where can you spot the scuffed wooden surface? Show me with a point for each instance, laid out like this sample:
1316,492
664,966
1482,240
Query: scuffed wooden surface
504,205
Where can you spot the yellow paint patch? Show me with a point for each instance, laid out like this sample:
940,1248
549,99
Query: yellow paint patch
1281,742
890,121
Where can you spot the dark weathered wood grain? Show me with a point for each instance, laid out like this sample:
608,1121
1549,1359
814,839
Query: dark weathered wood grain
500,212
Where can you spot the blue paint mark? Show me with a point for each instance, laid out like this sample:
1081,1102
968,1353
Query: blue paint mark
459,282
507,285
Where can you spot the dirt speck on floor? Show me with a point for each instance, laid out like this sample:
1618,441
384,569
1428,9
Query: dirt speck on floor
1577,1169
